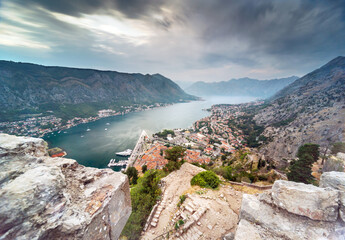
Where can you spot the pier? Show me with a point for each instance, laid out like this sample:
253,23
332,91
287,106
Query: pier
138,149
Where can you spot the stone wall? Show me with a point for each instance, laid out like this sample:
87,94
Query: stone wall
295,211
56,198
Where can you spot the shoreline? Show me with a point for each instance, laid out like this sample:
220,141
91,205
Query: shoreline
86,120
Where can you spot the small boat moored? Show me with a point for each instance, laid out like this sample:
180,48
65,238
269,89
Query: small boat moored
125,153
120,163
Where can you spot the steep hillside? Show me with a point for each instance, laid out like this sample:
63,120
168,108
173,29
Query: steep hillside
312,109
28,87
241,87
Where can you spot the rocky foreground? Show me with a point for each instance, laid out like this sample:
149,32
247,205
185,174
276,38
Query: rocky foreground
56,198
295,211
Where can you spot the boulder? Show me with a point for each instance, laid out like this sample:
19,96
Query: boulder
260,220
335,180
56,198
306,200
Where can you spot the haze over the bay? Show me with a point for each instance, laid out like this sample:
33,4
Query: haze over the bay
194,40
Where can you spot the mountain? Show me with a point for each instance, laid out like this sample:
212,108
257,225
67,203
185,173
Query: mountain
30,87
240,87
311,109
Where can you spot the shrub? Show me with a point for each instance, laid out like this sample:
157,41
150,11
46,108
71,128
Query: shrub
182,199
206,179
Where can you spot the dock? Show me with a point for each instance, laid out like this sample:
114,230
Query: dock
138,149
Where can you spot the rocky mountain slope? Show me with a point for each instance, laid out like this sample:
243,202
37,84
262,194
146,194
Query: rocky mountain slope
56,198
240,87
27,87
311,109
295,211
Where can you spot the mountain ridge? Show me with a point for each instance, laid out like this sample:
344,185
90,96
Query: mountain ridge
31,87
311,109
240,87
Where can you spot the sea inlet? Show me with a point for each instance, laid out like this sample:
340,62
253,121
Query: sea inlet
94,144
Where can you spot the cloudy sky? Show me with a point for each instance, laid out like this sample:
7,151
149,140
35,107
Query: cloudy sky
185,40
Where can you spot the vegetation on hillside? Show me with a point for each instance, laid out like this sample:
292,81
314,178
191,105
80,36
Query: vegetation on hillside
144,196
252,132
164,134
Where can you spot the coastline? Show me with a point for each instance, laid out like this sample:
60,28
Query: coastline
40,126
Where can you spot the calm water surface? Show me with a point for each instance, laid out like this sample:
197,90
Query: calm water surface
96,147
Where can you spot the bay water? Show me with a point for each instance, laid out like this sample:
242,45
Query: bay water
96,146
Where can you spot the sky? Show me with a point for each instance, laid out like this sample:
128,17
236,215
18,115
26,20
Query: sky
184,40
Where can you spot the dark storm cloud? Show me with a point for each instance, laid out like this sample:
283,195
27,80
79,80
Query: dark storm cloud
292,28
197,39
130,8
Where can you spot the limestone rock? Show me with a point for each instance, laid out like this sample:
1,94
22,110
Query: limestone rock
336,180
56,198
260,220
306,200
229,236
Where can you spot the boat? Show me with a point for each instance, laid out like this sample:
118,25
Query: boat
125,153
107,124
121,163
105,129
82,136
88,129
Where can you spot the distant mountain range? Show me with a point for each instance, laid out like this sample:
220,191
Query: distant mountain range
240,87
309,110
30,88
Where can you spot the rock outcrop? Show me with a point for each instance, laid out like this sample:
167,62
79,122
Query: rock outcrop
336,180
293,211
56,198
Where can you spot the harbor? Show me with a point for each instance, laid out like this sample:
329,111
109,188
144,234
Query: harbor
138,149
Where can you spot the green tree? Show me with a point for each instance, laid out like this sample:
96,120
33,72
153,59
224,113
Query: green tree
144,168
175,153
300,170
175,158
132,174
